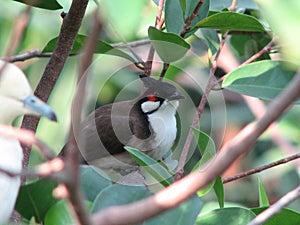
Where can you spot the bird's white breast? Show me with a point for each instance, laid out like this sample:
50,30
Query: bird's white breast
11,157
163,123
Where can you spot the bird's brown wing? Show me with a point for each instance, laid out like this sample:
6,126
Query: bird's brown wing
105,131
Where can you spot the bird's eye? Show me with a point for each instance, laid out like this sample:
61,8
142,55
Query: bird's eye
151,98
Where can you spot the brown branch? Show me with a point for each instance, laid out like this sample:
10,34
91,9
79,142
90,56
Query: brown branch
190,19
233,5
266,49
70,26
276,207
261,168
200,109
173,195
48,169
26,137
71,157
158,25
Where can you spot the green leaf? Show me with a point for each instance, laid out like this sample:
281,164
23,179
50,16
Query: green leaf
60,213
174,16
170,47
208,150
186,213
151,166
226,216
35,199
101,48
211,39
219,190
287,29
264,79
263,197
119,194
285,216
48,4
231,21
92,181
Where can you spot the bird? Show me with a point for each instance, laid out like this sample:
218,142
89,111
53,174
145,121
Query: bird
16,99
147,123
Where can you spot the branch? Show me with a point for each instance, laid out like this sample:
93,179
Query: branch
173,195
200,109
72,154
26,137
276,207
261,168
190,19
70,26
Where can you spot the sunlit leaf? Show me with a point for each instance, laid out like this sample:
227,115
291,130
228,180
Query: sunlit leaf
231,21
264,79
170,47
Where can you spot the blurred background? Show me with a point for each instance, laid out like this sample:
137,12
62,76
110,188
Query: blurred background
109,75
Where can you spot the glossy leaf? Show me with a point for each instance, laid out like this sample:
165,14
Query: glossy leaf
35,199
263,197
219,190
61,214
208,150
264,79
119,194
48,4
285,216
226,21
170,47
151,166
186,213
101,48
226,216
174,16
92,181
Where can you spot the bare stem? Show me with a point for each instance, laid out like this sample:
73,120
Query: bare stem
261,168
200,109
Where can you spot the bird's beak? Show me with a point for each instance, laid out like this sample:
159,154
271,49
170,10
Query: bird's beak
176,96
38,106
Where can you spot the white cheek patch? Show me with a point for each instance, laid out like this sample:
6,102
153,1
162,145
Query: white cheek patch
149,106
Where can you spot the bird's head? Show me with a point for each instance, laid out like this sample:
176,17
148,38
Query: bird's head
16,96
158,94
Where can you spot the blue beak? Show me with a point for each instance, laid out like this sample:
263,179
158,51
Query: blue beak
38,106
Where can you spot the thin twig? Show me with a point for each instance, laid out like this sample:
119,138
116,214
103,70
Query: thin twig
267,48
158,25
190,19
48,169
26,137
200,109
71,152
233,5
261,168
276,207
173,195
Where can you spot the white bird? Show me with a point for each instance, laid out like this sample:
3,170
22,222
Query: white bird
16,99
